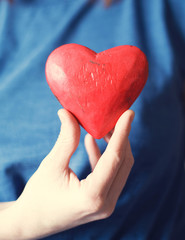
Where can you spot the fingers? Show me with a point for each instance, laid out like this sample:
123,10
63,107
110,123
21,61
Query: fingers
109,164
118,141
67,141
92,150
122,176
108,136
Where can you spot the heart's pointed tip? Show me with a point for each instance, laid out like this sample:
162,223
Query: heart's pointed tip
97,132
97,135
94,132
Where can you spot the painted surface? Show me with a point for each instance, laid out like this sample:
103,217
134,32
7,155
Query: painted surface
96,87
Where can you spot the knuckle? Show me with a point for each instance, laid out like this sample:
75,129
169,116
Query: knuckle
117,159
96,204
116,154
108,211
101,207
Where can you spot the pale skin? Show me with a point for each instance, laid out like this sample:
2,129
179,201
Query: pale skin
55,200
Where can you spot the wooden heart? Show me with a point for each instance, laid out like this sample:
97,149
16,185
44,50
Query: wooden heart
96,87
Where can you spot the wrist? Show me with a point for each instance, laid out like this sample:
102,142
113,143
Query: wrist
17,223
26,223
29,221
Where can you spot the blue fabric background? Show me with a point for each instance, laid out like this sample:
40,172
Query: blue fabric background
152,205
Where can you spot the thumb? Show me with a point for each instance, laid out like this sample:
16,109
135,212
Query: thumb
67,141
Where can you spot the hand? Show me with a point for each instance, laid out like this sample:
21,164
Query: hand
55,200
4,205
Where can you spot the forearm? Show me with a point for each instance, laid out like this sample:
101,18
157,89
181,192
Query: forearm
10,228
22,222
18,222
4,205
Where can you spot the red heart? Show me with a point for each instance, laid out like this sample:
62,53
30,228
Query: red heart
96,87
